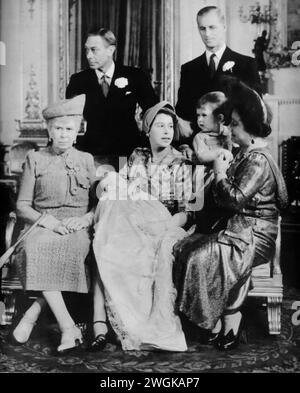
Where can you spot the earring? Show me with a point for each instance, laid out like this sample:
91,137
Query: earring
50,140
252,141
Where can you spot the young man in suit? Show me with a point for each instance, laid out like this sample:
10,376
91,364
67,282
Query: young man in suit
112,93
202,75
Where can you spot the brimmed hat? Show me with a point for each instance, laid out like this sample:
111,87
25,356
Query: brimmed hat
69,107
152,112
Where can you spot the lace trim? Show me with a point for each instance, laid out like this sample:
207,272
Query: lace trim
163,327
128,341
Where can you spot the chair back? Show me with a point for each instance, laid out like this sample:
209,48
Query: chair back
17,155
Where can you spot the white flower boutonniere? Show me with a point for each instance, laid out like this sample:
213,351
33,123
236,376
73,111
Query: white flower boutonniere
228,66
121,83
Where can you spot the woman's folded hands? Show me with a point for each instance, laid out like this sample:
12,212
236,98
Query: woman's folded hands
74,224
67,225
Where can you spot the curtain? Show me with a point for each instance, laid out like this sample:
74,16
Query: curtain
75,32
137,25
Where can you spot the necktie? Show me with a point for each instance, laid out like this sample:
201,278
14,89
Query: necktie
104,84
212,66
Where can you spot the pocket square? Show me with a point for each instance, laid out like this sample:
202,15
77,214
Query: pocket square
128,92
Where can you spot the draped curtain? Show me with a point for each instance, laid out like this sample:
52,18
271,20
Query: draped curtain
137,24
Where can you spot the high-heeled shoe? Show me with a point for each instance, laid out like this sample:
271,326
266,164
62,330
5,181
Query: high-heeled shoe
230,340
100,341
23,329
213,337
71,341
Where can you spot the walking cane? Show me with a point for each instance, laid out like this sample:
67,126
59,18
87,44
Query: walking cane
8,253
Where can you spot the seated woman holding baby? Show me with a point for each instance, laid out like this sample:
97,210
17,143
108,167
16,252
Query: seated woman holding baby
134,238
212,270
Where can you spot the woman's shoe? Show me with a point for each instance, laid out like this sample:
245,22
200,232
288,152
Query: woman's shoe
20,335
230,340
215,334
213,338
100,341
71,340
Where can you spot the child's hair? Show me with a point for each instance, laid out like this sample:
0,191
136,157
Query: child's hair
218,99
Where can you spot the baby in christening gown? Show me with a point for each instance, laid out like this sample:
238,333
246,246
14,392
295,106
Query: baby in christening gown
134,257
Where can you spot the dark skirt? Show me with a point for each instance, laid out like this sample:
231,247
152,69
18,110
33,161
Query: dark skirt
210,269
265,234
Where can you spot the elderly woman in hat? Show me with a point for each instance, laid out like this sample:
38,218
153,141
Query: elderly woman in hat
56,183
136,228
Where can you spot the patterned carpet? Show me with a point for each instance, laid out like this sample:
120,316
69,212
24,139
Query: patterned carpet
260,354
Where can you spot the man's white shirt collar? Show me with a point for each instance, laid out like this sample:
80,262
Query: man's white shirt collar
109,73
218,54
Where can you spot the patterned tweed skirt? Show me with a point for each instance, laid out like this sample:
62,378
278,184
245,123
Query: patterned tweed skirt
47,261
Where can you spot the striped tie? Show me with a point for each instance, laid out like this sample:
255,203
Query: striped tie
105,84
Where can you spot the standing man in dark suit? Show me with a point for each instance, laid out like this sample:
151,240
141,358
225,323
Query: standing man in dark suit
112,93
202,75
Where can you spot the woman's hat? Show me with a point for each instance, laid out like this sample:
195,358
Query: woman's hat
69,107
152,112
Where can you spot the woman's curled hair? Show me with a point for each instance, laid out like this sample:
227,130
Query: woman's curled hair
255,114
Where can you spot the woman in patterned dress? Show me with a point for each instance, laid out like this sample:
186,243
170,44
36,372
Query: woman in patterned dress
56,182
134,240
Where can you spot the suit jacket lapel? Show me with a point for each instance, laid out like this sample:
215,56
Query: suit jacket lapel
113,89
227,56
95,85
203,66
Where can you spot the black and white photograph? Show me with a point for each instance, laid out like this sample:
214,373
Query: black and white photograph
150,189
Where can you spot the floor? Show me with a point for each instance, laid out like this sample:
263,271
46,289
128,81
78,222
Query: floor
257,353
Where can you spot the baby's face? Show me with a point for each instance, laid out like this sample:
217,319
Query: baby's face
205,118
112,185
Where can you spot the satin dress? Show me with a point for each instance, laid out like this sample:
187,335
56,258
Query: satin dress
211,271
